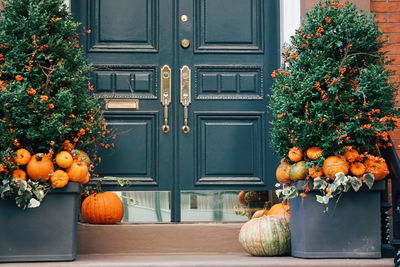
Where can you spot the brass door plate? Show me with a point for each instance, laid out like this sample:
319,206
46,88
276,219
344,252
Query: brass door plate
122,104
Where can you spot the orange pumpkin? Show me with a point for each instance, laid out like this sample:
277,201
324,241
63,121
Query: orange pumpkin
87,179
104,208
59,179
40,167
314,153
78,172
377,166
335,164
64,159
19,174
259,213
295,154
351,155
357,169
280,209
23,156
242,197
81,156
298,171
315,171
282,172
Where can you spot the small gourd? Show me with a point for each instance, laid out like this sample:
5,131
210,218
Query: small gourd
81,156
282,172
78,172
314,153
377,166
280,209
335,164
298,171
59,179
40,167
351,155
19,174
315,171
64,159
295,154
357,169
23,156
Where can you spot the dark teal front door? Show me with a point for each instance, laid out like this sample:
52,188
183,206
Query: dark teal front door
210,131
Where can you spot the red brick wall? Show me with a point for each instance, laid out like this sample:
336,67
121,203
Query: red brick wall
388,16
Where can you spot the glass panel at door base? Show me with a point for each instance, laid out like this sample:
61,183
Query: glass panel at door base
146,206
213,206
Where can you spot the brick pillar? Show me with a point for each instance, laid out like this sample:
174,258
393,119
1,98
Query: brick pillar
388,16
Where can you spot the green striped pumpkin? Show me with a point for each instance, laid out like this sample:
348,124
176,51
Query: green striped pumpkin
266,236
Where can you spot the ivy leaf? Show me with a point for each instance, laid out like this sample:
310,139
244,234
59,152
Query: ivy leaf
287,193
320,184
333,187
369,180
33,203
39,194
4,190
355,183
323,199
340,179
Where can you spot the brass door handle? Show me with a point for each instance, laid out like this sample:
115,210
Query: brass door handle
165,95
185,96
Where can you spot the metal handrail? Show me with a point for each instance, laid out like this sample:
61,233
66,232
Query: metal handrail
391,234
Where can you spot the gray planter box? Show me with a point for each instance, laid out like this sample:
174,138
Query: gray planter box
352,231
46,233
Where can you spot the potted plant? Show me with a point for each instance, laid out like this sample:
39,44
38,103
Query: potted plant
333,106
48,121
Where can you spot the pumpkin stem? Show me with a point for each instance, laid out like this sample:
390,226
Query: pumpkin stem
39,156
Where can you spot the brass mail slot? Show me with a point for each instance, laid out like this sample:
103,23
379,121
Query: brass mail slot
122,104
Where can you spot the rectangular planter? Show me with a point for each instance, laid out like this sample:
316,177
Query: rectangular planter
351,230
46,233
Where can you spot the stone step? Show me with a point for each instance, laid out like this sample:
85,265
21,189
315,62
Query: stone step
159,238
202,260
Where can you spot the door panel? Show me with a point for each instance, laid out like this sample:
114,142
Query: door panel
220,157
228,26
136,154
123,25
228,82
236,45
125,50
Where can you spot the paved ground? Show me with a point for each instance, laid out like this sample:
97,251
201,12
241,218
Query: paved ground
205,260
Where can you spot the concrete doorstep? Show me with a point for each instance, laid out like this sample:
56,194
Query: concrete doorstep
203,260
178,245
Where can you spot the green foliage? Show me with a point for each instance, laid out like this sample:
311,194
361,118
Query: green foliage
333,89
327,191
45,102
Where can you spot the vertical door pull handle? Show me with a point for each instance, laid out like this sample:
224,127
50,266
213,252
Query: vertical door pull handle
165,95
185,97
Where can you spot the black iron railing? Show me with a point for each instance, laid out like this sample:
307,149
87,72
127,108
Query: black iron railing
391,208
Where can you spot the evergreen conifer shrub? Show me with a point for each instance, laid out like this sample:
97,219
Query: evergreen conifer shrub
45,100
333,90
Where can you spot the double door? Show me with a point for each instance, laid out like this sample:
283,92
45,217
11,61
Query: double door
186,84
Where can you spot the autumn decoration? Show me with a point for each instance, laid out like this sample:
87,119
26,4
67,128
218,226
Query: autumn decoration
333,103
266,236
102,208
50,123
